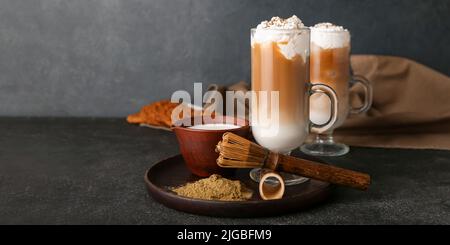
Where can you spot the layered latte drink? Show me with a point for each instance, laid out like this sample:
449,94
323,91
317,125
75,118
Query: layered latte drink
281,89
330,65
280,63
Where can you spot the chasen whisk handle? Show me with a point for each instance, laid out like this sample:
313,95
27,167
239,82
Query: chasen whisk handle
237,152
324,172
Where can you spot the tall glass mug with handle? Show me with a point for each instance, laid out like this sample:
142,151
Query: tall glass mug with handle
281,91
330,64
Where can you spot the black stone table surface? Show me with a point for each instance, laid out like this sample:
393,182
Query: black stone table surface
90,171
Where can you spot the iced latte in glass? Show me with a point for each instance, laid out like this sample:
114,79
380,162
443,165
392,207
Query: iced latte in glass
280,63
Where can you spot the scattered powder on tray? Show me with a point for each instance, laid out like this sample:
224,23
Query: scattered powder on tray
215,188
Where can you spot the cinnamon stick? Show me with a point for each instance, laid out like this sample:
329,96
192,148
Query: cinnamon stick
324,172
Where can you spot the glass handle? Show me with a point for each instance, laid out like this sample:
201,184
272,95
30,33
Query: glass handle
368,94
328,91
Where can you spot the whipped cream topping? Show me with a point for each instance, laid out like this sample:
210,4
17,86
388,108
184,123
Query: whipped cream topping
327,26
328,36
277,30
278,23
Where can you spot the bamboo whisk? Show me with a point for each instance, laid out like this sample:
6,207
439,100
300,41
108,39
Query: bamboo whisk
238,152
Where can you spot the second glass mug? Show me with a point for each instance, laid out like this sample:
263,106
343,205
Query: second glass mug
331,66
280,62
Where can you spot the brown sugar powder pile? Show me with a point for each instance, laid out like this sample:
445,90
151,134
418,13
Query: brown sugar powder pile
215,188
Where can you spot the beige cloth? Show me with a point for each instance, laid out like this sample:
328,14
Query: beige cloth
411,105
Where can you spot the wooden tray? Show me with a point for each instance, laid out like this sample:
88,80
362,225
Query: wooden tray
172,172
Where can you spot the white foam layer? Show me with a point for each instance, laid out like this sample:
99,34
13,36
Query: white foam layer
215,126
319,109
290,43
281,138
328,36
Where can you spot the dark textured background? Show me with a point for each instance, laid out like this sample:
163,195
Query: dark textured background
109,57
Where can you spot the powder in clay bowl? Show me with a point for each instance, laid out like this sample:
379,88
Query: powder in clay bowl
215,187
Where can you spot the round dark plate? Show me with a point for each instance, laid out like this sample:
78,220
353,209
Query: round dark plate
172,172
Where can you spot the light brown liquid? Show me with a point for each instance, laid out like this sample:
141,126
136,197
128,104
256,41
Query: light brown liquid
272,71
330,67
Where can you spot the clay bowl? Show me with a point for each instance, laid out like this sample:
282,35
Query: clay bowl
198,146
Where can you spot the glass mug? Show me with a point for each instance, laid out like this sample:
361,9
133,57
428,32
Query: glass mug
280,63
331,66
